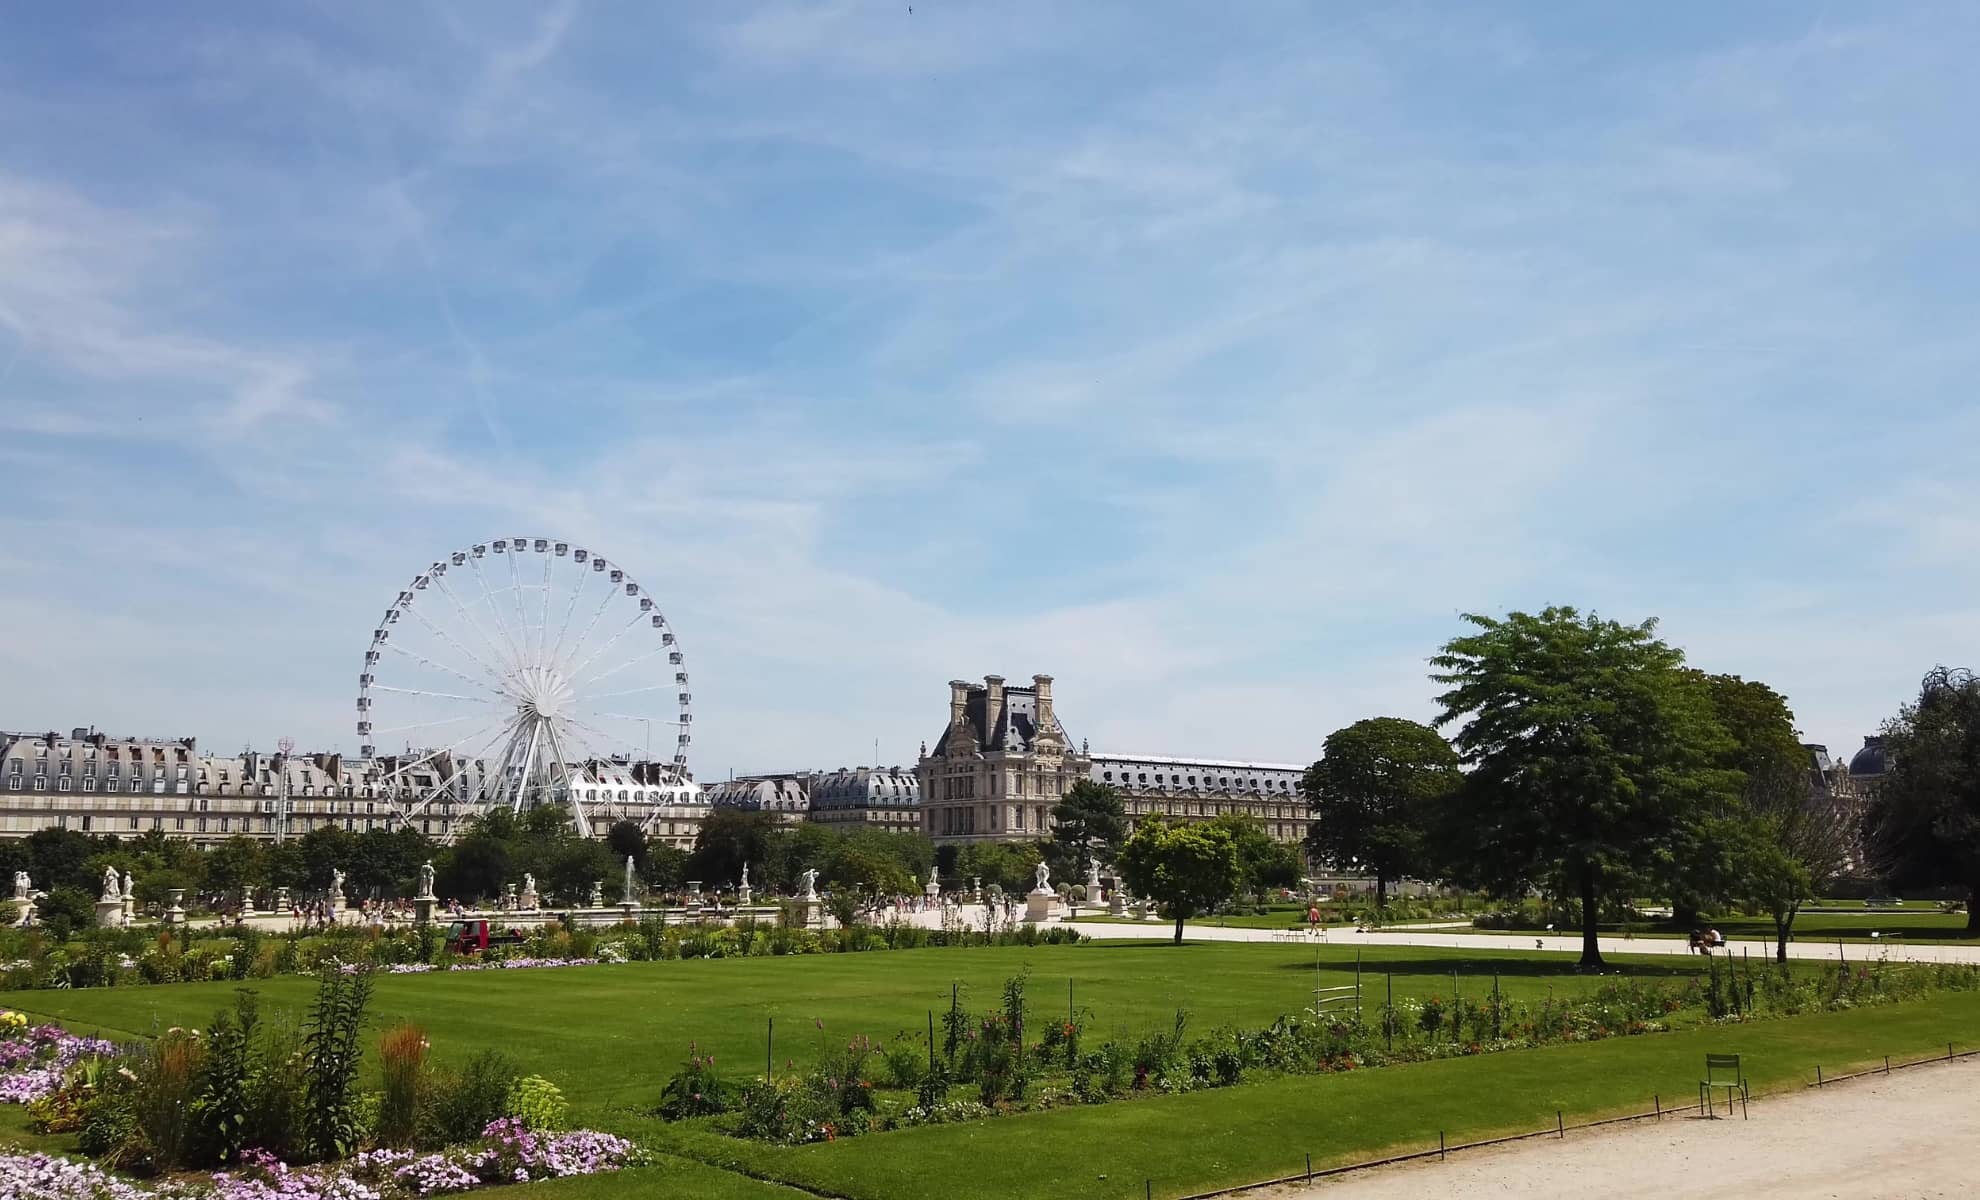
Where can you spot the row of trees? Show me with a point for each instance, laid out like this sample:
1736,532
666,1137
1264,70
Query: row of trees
1590,764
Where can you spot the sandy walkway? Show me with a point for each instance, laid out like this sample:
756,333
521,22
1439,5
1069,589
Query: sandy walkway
1915,1133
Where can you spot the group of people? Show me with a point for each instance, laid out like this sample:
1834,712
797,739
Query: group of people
1704,941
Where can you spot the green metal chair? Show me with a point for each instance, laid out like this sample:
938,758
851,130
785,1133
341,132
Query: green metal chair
1722,1071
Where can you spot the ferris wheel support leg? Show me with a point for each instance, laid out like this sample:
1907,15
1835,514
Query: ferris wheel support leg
528,764
563,768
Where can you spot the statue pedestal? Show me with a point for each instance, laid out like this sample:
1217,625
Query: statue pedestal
1039,904
27,914
282,900
1117,904
694,891
531,901
423,908
130,909
174,913
109,913
745,895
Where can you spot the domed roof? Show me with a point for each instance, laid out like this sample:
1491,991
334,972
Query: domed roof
1869,761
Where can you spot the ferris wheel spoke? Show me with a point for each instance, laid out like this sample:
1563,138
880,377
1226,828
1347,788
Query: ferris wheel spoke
382,687
631,662
467,615
564,627
635,749
656,687
446,637
543,626
427,662
637,720
475,716
495,612
578,646
516,591
635,623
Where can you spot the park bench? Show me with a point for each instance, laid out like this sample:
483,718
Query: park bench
1722,1071
1882,902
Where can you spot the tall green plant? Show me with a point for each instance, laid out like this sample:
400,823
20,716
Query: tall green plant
220,1089
331,1055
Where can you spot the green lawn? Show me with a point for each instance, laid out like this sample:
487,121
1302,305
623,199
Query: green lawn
610,1035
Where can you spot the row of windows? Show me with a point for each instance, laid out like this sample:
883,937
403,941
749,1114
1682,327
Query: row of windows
1222,781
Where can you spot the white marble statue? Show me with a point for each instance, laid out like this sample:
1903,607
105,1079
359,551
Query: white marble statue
23,887
113,892
1044,874
597,893
529,884
745,876
130,890
426,880
337,897
809,881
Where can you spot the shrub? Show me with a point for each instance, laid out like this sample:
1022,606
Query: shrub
402,1057
220,1086
537,1103
277,1084
695,1090
162,1098
460,1104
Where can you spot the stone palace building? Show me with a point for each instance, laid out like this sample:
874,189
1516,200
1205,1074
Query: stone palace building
94,783
1004,761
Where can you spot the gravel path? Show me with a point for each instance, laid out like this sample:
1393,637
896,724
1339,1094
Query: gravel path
1894,951
1915,1133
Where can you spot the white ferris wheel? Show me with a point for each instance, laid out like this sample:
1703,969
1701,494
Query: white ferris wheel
506,673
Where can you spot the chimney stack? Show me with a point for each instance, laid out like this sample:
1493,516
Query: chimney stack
958,701
993,706
1043,683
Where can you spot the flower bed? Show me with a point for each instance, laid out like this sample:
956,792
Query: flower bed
507,1153
33,1060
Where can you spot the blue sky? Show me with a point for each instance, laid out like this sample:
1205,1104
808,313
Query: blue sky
1211,358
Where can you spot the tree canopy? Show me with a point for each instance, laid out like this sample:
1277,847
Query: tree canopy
1375,792
1589,749
1188,869
1088,823
1923,825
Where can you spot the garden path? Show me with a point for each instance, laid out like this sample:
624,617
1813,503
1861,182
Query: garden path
1893,951
1915,1133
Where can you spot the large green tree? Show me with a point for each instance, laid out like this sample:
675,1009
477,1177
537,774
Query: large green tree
1923,826
1374,794
1774,847
1188,869
1590,749
1263,861
1088,823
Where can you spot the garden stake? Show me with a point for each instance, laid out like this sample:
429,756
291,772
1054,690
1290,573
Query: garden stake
1560,1127
1440,1145
1818,1074
769,1049
931,1043
1658,1100
1887,1064
1389,1018
1309,1166
1069,1002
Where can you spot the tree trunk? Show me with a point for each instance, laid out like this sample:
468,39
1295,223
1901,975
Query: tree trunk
1381,892
1591,946
1781,926
1179,925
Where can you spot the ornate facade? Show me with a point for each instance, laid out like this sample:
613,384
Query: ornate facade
999,767
94,783
1004,762
1203,789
